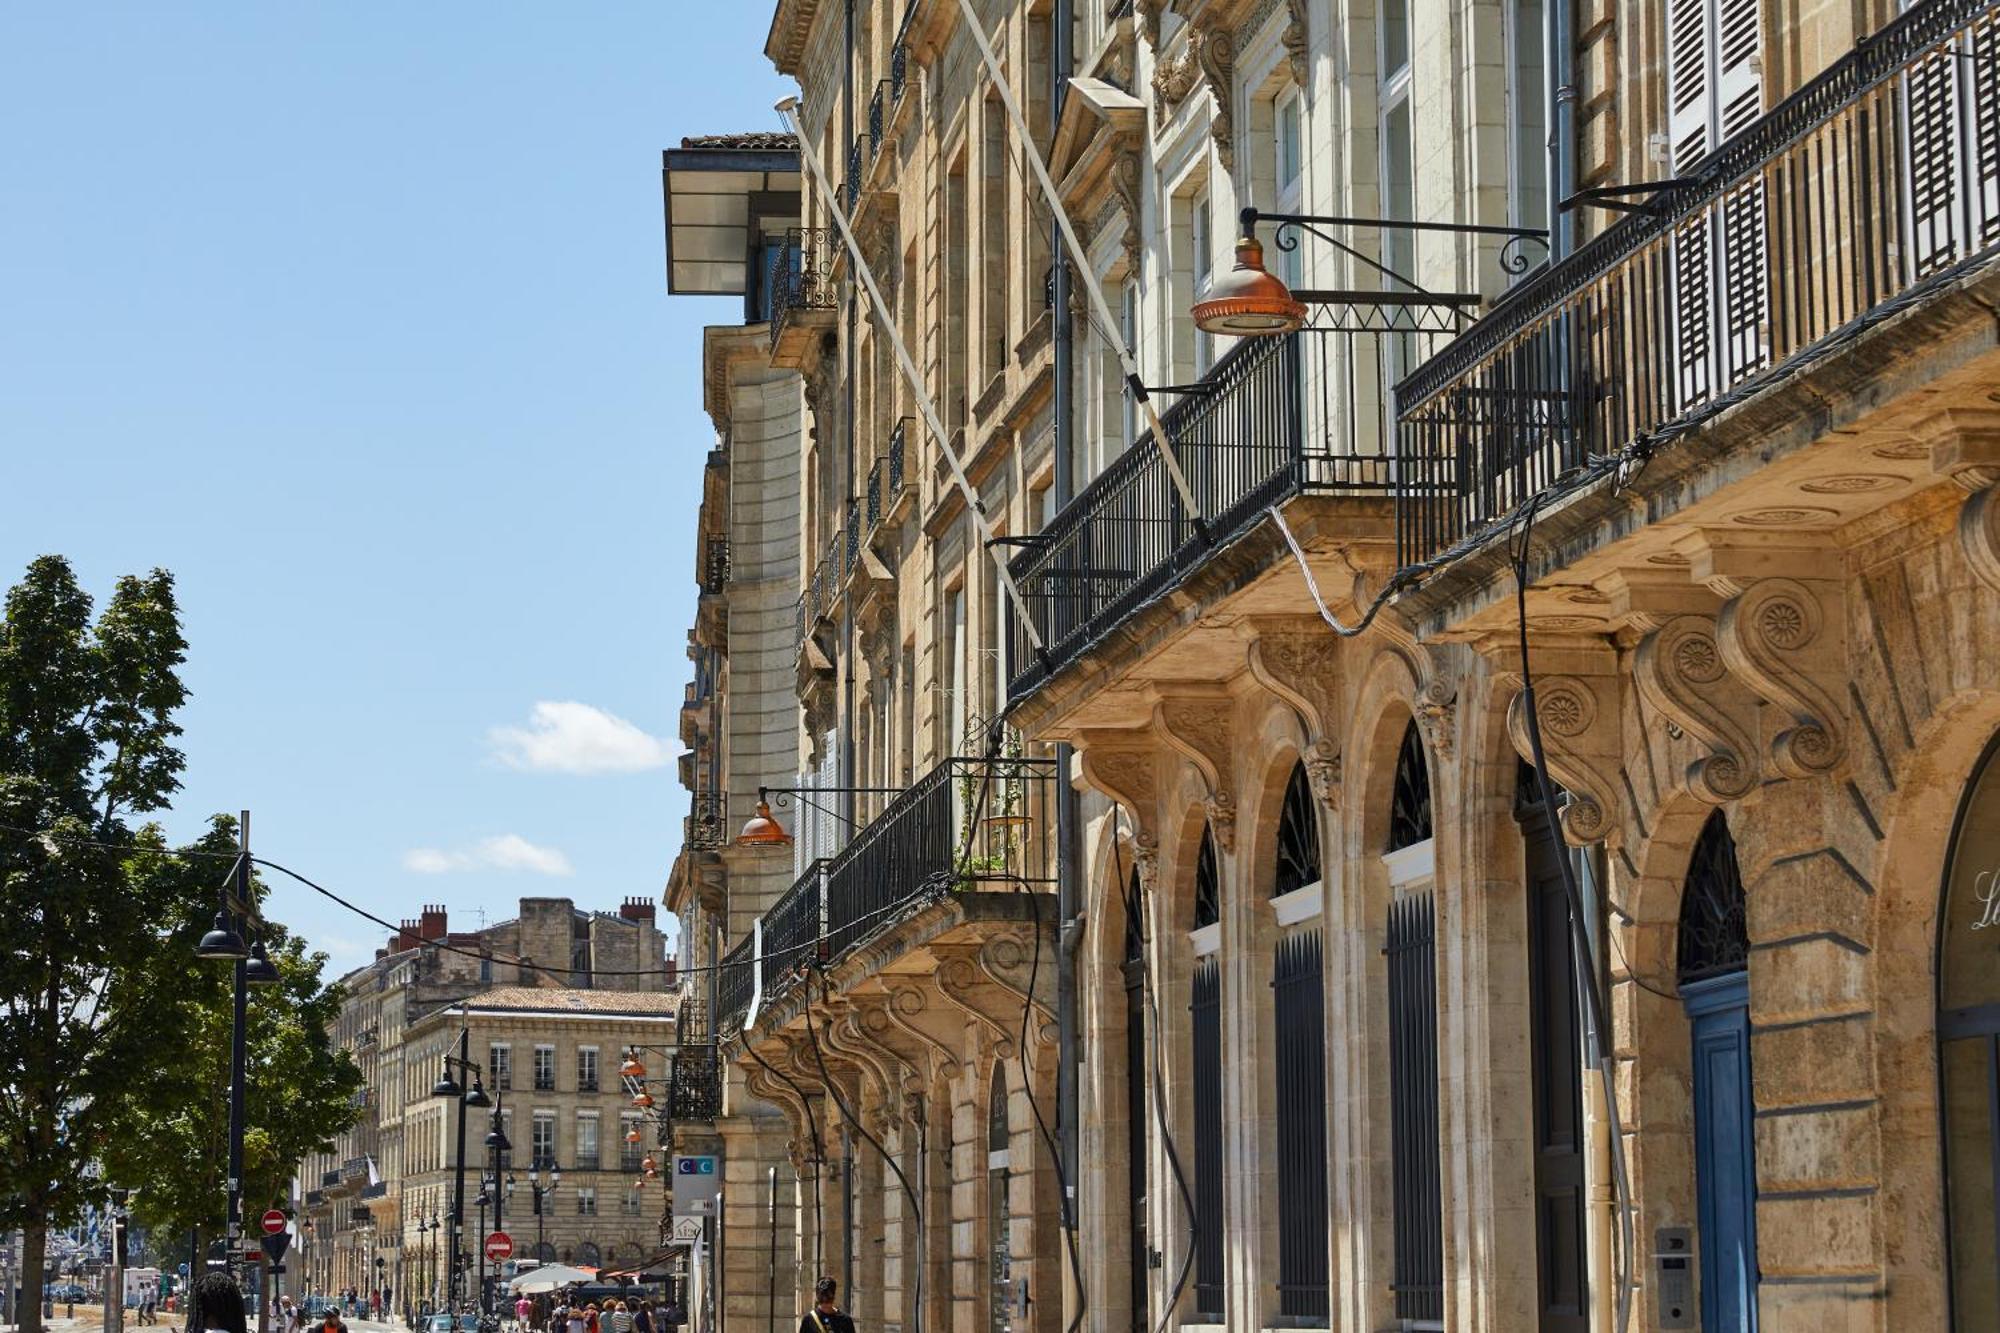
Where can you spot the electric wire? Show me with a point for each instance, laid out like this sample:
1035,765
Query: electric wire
1136,921
1579,937
818,1147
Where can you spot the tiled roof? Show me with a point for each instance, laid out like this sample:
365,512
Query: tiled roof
770,140
547,999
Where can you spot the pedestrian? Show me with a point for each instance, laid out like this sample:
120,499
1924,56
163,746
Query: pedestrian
590,1318
642,1317
215,1305
573,1319
330,1322
826,1316
524,1309
673,1316
620,1317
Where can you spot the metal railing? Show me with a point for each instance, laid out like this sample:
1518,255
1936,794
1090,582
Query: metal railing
967,823
1258,432
708,821
899,69
854,156
898,440
1872,185
734,983
802,276
715,565
695,1092
877,114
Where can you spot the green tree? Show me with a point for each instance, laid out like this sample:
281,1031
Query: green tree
170,1138
87,736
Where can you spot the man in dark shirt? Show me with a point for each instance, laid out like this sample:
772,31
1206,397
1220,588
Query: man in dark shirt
826,1316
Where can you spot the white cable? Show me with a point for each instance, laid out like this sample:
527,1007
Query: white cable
1103,307
788,109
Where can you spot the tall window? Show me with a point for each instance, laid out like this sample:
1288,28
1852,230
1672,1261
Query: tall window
631,1151
586,1069
544,1140
1206,1012
500,1067
1128,330
1201,229
993,240
1528,108
1289,159
951,676
586,1141
1299,1029
545,1069
1399,176
633,1202
586,1201
1418,1271
999,1215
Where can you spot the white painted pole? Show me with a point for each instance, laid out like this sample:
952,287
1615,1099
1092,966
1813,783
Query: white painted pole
1099,305
885,319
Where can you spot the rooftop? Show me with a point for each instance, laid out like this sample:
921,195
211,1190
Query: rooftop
767,141
555,999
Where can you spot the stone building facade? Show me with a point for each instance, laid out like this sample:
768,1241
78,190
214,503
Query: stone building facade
554,977
1706,460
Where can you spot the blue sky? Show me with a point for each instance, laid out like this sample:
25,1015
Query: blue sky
354,317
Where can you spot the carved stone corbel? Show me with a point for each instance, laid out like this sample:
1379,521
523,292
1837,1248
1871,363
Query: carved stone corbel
1681,673
1784,640
966,987
910,1012
1200,729
1297,39
1173,77
918,1058
1436,702
1124,766
1125,183
1965,446
1979,535
1009,962
1579,723
1149,19
1301,665
1214,48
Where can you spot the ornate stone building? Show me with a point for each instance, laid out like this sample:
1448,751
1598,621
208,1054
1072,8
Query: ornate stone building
1647,363
552,998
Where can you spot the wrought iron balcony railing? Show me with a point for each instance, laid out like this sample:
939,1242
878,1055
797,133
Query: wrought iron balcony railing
708,821
968,823
1871,186
899,69
877,113
1274,418
734,982
898,439
715,565
695,1092
802,276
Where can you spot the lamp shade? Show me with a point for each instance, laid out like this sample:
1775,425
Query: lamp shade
477,1097
496,1139
259,970
222,942
763,830
446,1086
1249,301
643,1100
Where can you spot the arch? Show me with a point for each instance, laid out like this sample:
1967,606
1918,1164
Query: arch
1207,882
1410,793
588,1254
999,1204
1712,937
1298,847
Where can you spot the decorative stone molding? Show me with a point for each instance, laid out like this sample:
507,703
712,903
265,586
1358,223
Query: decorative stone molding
1214,48
1297,38
1436,698
1681,672
1201,730
1580,739
1299,661
1149,20
1324,770
1979,535
1009,961
878,1027
1778,638
1965,446
965,985
1125,183
910,1012
1124,765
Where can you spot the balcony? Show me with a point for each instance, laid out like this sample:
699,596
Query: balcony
695,1093
585,1161
1275,418
708,821
379,1190
803,296
967,825
715,565
1872,187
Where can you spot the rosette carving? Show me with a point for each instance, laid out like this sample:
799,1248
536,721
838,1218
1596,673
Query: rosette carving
1778,639
1680,672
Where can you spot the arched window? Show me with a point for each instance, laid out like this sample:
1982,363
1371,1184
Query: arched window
1298,837
1713,938
588,1255
1410,801
1207,884
999,1215
1968,1028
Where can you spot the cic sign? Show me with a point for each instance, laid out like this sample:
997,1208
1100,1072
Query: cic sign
697,1180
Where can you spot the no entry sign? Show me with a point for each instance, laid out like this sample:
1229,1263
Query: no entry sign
274,1222
499,1246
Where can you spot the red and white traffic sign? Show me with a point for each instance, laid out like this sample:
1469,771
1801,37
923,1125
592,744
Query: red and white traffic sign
499,1246
274,1222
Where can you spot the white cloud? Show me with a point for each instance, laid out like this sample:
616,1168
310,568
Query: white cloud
571,737
509,851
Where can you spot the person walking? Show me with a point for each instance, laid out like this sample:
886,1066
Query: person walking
642,1317
215,1305
331,1322
524,1309
826,1316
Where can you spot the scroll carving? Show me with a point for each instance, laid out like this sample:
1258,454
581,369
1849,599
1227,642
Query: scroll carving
1297,38
1436,698
1979,535
1214,49
1681,673
1201,731
1323,770
1582,753
1125,179
1771,636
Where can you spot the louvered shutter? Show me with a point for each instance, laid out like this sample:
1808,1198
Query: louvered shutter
1715,91
1951,174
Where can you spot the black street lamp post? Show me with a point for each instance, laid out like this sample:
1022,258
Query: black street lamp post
496,1145
542,1194
467,1096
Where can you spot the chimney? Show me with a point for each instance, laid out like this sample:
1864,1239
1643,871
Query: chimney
673,973
432,925
637,909
406,937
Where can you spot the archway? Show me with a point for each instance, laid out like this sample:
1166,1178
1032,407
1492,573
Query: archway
1415,1147
1968,1030
999,1210
1712,962
1299,1047
1205,1013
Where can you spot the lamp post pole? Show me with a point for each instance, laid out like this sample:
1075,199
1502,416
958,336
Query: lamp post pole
240,1012
474,1095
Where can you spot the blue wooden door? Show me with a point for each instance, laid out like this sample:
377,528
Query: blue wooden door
1725,1161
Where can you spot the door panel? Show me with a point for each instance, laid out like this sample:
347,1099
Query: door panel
1557,1063
1725,1156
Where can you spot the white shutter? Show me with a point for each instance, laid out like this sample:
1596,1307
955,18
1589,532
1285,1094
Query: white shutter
1715,91
1951,158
